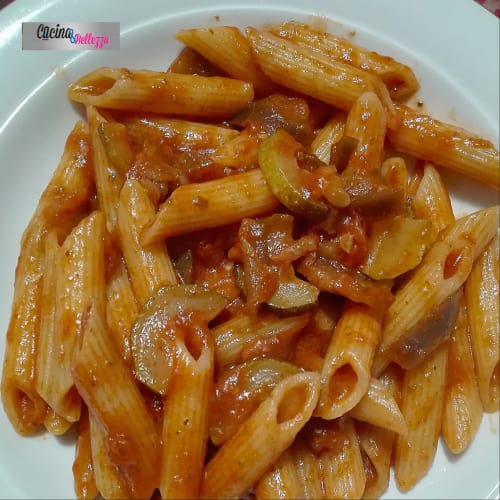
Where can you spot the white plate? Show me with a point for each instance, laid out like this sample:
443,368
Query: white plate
451,44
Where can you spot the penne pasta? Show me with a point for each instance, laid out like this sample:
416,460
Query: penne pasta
398,77
107,477
109,180
185,419
83,466
245,278
228,49
302,69
112,396
422,408
346,371
80,278
235,338
443,144
149,266
481,294
342,463
443,270
24,406
366,123
327,136
68,196
161,92
296,474
377,443
262,438
431,199
53,421
209,204
379,408
462,407
121,309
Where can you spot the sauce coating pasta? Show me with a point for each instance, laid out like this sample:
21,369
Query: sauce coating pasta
233,279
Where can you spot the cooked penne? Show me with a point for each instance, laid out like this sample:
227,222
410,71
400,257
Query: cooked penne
376,442
302,69
323,462
432,200
185,418
376,445
170,312
109,180
245,277
52,420
462,407
422,401
422,408
228,49
379,408
342,464
312,343
235,338
55,424
366,123
327,136
443,270
346,372
149,266
481,293
68,196
262,438
80,278
445,145
64,201
109,390
398,77
189,62
209,204
187,133
107,476
296,474
23,405
161,92
394,174
83,467
240,153
121,309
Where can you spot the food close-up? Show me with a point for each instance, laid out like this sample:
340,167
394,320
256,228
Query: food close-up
247,275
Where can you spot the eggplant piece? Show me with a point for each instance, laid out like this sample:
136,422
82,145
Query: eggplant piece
428,334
